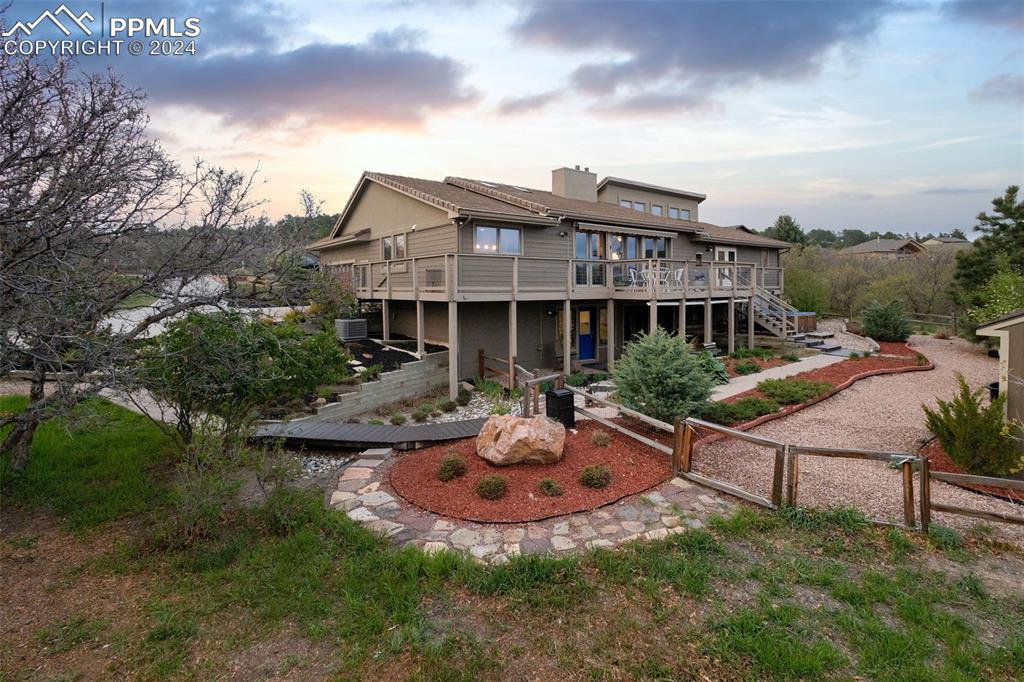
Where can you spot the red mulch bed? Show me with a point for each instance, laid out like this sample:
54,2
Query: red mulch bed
730,364
634,466
940,461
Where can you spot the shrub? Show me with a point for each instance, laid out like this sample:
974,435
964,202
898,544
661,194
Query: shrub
745,353
452,466
790,357
422,413
714,367
492,487
577,380
596,476
501,407
975,435
920,360
661,376
943,333
886,321
447,405
747,367
792,391
601,439
376,422
549,487
546,386
743,410
397,419
371,372
492,390
854,355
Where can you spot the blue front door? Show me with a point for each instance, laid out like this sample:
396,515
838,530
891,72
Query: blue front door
588,333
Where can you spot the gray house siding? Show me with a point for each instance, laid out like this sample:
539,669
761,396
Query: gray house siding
432,241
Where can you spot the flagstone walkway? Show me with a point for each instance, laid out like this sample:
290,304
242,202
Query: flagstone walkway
364,495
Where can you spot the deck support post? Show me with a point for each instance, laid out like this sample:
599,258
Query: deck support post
385,313
566,340
682,319
707,321
750,322
610,333
453,350
513,342
654,316
732,325
420,342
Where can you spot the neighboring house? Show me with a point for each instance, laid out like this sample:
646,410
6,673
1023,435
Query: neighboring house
550,278
946,242
1010,331
885,249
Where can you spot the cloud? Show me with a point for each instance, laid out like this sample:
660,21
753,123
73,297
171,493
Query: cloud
1004,88
1006,14
658,103
954,190
693,49
511,106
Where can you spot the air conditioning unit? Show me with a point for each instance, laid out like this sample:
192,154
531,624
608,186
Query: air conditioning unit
350,330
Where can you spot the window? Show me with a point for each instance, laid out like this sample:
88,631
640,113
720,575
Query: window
625,203
685,214
392,247
589,245
399,246
655,210
632,247
385,248
640,206
725,253
655,248
673,212
496,240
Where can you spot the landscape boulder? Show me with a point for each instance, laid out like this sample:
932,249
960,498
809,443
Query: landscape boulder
505,440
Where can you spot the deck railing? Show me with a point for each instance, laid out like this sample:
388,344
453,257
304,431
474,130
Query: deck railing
479,276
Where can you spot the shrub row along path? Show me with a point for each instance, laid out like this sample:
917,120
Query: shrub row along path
880,413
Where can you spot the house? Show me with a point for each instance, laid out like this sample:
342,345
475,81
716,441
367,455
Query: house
946,242
1010,331
885,249
550,278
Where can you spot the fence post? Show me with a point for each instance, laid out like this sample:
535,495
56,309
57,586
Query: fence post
527,398
793,462
686,450
513,374
908,493
926,495
777,476
677,445
481,364
536,398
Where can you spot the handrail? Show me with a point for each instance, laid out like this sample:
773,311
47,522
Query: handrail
733,433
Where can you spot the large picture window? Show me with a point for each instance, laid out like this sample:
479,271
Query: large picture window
497,240
392,247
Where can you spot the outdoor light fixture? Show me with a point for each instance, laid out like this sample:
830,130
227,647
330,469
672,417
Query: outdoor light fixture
563,234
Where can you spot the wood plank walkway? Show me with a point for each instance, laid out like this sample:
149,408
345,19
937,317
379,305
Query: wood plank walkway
332,434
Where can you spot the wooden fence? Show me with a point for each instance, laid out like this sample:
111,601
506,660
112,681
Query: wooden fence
531,384
503,371
785,483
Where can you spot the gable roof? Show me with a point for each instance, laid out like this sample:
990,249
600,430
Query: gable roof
882,246
947,240
467,198
612,180
1016,317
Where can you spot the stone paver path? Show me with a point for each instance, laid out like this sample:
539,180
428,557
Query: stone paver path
363,493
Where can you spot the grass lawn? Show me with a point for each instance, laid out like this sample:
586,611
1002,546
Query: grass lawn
289,589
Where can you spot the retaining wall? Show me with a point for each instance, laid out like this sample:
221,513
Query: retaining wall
413,379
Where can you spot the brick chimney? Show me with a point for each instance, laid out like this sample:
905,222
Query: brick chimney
573,183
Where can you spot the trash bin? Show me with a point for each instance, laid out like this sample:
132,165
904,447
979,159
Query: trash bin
559,405
993,390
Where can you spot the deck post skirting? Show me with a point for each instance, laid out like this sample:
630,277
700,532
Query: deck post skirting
453,350
610,334
732,325
707,321
566,337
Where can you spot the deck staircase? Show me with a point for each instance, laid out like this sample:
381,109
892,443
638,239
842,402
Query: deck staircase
774,314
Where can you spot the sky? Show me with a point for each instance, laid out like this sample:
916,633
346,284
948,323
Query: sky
901,116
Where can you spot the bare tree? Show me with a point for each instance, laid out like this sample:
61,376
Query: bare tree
92,211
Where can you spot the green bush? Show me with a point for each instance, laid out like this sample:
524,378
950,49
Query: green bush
975,435
790,357
371,372
886,321
501,407
492,390
376,422
452,466
743,410
714,367
601,439
447,405
577,380
463,396
422,413
920,360
761,353
661,376
549,487
397,419
792,391
492,487
596,476
747,367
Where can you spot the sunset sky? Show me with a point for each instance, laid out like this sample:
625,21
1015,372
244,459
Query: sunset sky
902,116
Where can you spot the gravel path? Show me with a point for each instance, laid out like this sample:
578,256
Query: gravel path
881,413
847,340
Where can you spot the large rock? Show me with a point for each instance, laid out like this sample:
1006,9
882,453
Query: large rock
505,439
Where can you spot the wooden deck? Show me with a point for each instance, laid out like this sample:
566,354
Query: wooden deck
330,434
